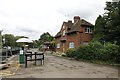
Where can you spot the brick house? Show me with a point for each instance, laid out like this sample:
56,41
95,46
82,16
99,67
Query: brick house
71,35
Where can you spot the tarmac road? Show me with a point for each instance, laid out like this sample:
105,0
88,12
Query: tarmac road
58,67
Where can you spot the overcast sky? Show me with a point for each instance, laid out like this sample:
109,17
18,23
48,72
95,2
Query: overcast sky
31,18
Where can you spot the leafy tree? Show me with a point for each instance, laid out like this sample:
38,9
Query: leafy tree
112,17
9,40
99,28
107,27
46,37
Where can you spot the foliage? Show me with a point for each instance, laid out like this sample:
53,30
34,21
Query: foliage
71,52
46,37
53,45
113,21
9,40
96,51
107,27
99,28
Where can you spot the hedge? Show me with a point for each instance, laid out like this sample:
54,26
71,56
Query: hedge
96,51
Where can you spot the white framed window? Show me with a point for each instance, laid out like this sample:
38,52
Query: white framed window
64,33
71,45
63,27
58,45
88,30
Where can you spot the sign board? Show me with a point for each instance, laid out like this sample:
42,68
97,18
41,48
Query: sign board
21,51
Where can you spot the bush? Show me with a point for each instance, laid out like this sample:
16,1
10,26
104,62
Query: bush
89,51
71,53
96,51
112,53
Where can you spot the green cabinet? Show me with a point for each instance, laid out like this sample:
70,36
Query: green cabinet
21,57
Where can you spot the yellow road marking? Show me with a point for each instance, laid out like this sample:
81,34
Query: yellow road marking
10,73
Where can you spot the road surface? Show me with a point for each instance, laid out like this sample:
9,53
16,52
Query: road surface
58,67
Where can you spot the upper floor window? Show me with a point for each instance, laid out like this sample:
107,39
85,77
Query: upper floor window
71,45
64,33
88,30
63,27
58,45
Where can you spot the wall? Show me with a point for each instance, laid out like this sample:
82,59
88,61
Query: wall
77,37
73,38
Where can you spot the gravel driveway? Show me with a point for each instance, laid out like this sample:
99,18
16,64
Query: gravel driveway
58,67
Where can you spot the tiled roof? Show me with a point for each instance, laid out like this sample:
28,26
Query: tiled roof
84,22
58,34
73,27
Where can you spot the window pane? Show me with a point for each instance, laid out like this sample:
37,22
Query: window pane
85,30
58,45
63,32
71,45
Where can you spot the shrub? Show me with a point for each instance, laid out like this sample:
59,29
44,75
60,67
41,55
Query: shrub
112,53
96,51
89,51
71,53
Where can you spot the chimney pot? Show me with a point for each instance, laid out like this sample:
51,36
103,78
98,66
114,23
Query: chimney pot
69,21
76,18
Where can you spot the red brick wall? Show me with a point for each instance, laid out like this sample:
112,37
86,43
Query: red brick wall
72,38
58,41
77,38
86,37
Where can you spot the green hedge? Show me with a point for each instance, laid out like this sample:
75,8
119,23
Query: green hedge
71,53
96,51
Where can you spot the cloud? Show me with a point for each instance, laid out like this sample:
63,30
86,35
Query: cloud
33,17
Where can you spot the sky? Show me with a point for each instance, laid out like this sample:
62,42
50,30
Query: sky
32,18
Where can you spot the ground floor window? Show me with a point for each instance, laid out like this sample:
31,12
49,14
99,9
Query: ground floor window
71,45
85,43
58,45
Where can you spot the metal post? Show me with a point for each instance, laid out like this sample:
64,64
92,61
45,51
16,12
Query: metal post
35,58
25,61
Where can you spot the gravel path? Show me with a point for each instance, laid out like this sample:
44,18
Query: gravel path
57,67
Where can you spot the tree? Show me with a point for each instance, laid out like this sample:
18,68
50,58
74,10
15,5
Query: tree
112,17
9,40
46,37
108,27
99,28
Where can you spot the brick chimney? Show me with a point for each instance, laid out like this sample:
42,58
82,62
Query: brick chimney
76,18
69,21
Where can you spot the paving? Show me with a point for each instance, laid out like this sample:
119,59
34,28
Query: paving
59,67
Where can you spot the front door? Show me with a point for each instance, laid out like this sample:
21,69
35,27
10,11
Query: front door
63,46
